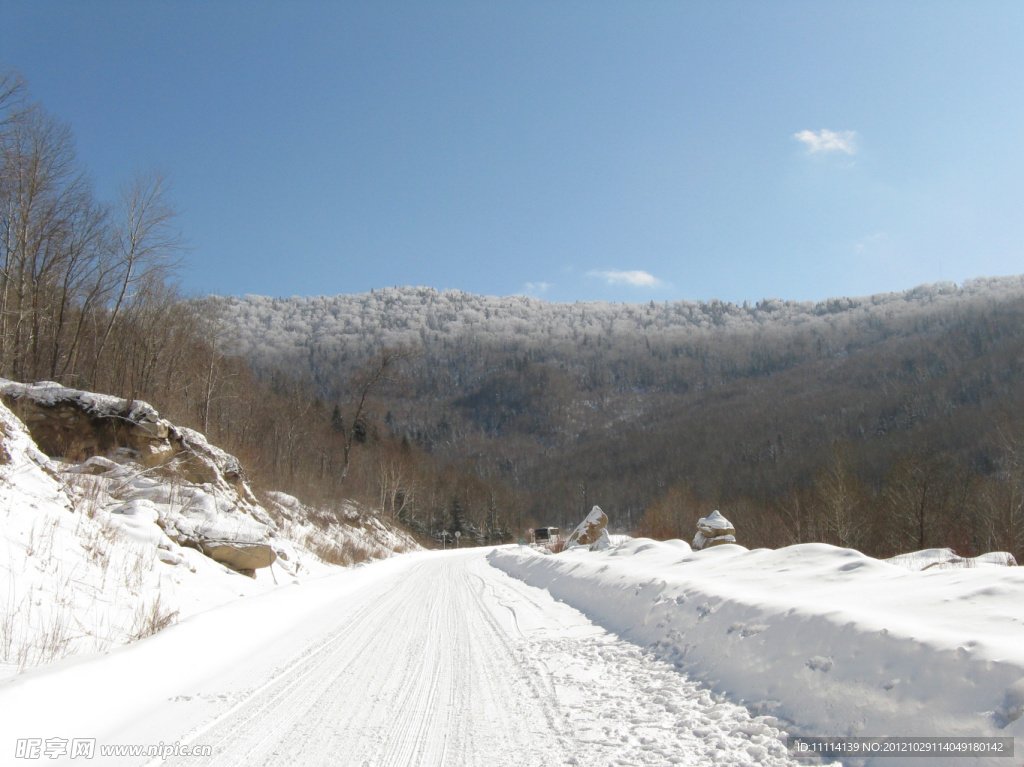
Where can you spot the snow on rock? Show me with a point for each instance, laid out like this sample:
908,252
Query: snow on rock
603,542
67,421
590,530
215,511
154,524
838,642
713,530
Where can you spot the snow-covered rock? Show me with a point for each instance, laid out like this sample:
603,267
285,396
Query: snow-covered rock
713,530
345,534
603,542
590,530
215,513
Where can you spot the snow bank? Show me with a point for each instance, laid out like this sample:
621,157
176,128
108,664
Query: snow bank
836,642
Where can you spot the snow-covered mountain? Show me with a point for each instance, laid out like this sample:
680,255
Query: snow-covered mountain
298,329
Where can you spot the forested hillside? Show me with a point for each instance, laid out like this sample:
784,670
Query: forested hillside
888,422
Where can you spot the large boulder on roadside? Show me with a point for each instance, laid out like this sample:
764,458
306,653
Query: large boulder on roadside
713,530
588,532
243,557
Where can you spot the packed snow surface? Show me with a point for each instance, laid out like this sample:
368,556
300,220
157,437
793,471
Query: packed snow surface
441,658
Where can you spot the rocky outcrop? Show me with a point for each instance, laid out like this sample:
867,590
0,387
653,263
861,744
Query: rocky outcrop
167,486
713,530
67,423
217,512
74,424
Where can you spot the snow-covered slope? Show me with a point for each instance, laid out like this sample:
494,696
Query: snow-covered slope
843,644
101,552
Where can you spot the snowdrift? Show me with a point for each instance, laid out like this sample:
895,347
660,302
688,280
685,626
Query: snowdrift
838,642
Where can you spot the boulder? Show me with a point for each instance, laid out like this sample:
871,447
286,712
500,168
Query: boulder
588,532
74,424
243,557
713,530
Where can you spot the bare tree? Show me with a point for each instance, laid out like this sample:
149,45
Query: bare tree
146,245
51,230
396,479
385,368
839,497
13,97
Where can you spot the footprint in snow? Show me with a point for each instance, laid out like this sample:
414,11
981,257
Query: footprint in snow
820,663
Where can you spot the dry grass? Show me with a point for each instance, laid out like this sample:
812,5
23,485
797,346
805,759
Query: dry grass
38,629
40,539
345,552
87,493
151,618
80,603
5,457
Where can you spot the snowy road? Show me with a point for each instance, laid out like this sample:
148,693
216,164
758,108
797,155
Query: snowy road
458,664
445,660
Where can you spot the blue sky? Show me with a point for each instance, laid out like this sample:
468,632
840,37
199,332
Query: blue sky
623,151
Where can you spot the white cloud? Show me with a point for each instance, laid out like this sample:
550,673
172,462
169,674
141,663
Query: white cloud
636,278
828,141
538,287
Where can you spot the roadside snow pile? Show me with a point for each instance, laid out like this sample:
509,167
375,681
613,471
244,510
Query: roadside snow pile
837,642
155,525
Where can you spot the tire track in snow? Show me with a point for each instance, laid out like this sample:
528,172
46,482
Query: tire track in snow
419,675
458,664
283,699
